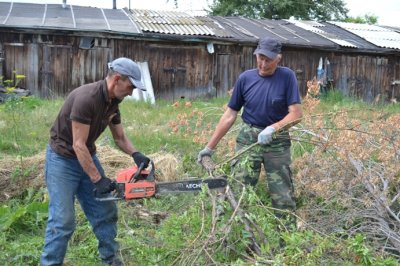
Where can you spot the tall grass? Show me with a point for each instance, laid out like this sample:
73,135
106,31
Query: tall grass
25,123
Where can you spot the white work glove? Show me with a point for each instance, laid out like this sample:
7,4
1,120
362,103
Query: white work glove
204,152
265,136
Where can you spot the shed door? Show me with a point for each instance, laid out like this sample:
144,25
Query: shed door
176,74
55,70
174,86
179,71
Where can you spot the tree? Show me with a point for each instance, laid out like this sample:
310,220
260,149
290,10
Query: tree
369,19
322,10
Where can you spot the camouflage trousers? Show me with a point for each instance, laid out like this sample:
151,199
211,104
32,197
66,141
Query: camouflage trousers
276,159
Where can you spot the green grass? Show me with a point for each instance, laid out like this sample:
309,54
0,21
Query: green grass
334,100
25,124
24,131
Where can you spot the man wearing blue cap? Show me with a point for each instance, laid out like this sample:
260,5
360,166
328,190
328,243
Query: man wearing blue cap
72,169
270,99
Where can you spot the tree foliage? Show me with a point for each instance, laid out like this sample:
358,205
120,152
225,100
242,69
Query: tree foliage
370,19
322,10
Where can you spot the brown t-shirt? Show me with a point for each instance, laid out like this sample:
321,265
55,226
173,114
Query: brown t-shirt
90,105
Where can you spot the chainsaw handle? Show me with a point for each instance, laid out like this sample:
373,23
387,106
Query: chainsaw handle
150,176
139,170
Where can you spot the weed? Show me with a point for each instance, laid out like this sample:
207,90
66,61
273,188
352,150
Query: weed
11,84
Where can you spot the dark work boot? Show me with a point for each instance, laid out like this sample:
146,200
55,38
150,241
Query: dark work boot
114,262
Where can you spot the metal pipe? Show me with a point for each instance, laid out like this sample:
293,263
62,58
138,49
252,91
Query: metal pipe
114,4
64,4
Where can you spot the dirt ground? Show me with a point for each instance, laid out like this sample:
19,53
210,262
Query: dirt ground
17,175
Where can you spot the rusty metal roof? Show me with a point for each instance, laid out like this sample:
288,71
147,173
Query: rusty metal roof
173,22
69,18
380,36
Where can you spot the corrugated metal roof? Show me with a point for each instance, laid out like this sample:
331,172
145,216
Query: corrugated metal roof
254,29
380,36
217,28
70,18
319,29
348,37
176,24
55,16
173,22
394,28
21,14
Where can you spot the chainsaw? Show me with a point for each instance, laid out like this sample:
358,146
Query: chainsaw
136,183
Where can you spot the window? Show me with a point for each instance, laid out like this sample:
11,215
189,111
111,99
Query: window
86,43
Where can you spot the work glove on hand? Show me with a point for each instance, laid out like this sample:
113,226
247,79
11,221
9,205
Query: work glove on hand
204,152
265,136
139,158
104,185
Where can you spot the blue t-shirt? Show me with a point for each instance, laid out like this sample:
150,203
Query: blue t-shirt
265,99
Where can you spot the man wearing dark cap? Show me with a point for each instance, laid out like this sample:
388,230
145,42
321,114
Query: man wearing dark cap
72,169
270,99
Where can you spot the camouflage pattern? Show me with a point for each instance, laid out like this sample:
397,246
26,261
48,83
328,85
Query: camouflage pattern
276,158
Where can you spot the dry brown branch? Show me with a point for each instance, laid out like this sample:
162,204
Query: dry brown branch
355,169
214,217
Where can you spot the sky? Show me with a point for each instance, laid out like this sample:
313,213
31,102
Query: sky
388,11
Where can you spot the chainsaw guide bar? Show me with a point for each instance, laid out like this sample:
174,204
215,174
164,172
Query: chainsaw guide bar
136,183
190,185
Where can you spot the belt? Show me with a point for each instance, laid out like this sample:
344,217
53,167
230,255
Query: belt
254,126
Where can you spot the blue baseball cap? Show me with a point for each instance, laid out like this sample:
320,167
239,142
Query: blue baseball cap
269,47
129,68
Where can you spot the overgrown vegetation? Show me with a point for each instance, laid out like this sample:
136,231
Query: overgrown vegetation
282,9
346,174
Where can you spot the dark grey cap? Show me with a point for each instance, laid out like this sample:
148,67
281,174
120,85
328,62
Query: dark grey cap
269,47
129,68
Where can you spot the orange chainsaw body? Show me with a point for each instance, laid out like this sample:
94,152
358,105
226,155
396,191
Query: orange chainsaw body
135,188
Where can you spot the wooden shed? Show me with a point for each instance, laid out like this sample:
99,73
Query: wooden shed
60,48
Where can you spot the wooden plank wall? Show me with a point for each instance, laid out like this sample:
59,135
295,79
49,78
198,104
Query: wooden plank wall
395,85
54,65
366,76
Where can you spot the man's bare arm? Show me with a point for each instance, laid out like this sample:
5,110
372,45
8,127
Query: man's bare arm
121,139
223,126
80,133
293,117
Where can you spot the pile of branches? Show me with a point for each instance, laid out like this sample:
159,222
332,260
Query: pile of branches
347,182
350,179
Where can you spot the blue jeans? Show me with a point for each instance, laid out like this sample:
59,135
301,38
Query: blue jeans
66,180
